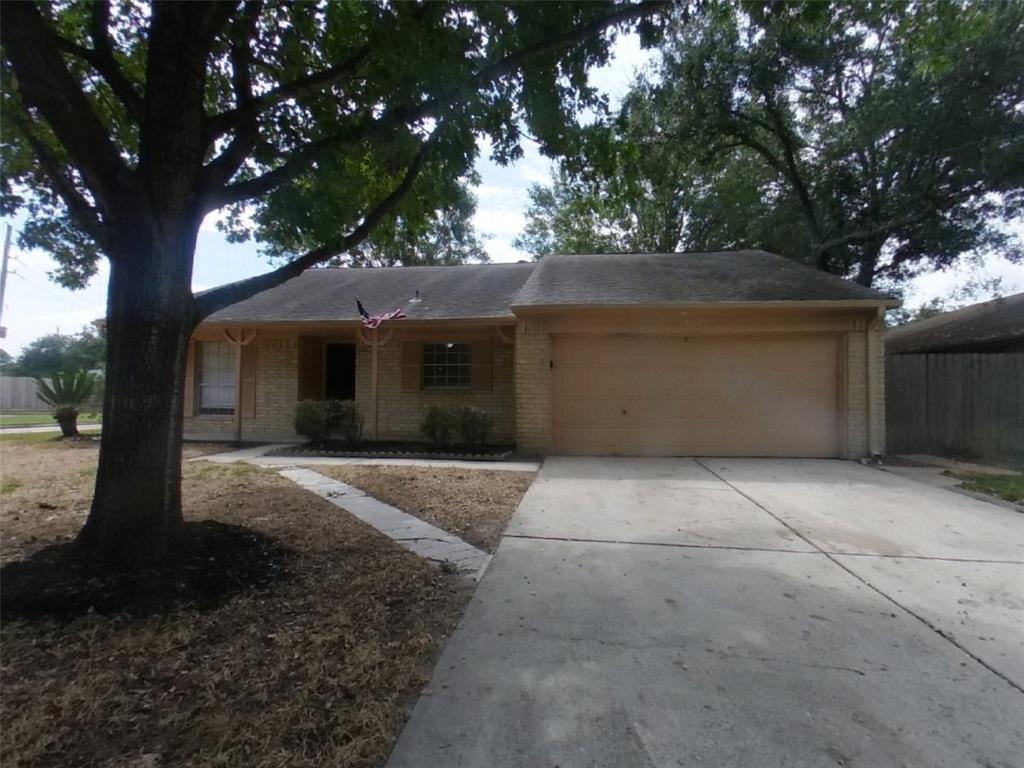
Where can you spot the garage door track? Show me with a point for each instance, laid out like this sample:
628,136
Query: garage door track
736,612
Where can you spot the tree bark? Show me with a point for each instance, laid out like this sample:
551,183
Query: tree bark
136,508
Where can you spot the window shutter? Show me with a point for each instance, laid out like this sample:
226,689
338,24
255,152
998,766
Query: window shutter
248,382
481,361
411,351
188,401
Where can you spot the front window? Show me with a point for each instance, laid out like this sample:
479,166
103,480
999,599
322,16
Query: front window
447,366
215,363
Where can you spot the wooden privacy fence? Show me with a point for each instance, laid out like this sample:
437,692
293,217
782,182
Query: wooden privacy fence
955,404
18,393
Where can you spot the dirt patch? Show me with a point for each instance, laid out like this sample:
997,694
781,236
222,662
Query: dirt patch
473,504
312,669
46,486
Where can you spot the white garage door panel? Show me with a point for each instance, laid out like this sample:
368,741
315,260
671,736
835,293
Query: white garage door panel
727,396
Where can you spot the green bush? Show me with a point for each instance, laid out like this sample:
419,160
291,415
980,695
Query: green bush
475,425
65,392
344,417
466,425
318,419
312,419
440,424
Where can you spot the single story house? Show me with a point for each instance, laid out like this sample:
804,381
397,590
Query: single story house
740,353
955,382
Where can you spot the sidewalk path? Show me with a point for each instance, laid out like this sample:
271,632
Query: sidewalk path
416,535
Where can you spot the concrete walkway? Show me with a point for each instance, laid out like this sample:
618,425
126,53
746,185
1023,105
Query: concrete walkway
741,613
257,455
42,430
416,535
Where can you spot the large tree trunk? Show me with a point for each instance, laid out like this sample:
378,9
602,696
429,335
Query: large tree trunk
136,508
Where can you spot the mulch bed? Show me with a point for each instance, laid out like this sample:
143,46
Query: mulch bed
302,648
395,450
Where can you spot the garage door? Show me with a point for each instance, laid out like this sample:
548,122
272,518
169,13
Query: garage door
712,396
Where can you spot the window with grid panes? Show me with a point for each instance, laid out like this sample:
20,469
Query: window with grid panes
447,366
215,368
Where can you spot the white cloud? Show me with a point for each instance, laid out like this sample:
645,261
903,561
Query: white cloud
627,60
941,284
503,223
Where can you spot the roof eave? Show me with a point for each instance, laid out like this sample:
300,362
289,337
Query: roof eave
887,303
503,319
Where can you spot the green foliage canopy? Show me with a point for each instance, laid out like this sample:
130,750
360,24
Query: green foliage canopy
83,351
871,140
313,115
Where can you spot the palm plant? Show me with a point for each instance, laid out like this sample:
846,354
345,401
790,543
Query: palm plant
65,391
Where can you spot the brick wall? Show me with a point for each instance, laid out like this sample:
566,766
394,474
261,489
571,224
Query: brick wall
276,393
400,414
865,400
878,404
533,387
856,395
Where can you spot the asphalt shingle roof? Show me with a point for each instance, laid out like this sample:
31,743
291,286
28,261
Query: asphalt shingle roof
683,278
476,291
490,291
979,325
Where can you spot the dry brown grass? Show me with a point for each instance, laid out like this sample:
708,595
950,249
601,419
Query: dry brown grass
473,504
314,670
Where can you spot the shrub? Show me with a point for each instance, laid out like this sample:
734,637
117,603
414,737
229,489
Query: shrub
317,419
65,392
344,417
475,426
440,423
311,419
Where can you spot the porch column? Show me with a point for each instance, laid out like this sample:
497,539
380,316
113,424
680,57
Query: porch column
238,343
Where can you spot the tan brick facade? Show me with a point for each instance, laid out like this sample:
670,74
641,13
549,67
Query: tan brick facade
276,393
520,392
400,413
533,387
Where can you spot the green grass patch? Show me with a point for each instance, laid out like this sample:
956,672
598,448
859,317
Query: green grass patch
31,437
9,486
1008,487
40,419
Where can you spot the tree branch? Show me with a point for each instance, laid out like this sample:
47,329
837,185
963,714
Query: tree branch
301,159
109,70
224,166
45,84
889,227
210,301
84,214
231,119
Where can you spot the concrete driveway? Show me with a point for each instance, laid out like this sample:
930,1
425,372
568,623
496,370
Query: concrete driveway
736,612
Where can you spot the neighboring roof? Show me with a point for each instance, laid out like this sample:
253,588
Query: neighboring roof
477,291
491,291
984,326
727,277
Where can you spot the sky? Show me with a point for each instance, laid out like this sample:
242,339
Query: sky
35,306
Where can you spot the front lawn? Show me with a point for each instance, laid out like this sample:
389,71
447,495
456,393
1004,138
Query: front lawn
1008,487
40,419
312,665
474,504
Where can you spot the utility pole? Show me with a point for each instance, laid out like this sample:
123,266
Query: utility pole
3,281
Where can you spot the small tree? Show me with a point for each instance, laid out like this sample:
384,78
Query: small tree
64,393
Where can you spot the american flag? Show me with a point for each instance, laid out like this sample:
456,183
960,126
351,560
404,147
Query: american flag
375,321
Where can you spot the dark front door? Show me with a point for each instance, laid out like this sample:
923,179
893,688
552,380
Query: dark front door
340,372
